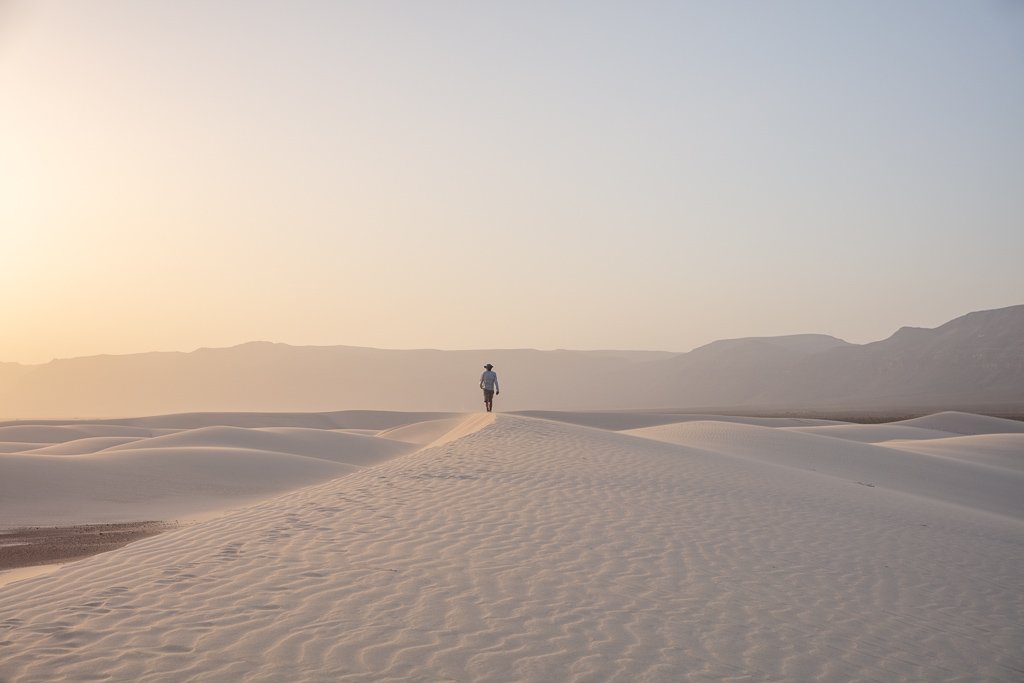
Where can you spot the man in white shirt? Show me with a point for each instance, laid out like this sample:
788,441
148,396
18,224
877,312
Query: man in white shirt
489,383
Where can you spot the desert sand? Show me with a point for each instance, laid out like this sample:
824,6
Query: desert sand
500,547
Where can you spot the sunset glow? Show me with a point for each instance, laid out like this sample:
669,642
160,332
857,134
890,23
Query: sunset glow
176,175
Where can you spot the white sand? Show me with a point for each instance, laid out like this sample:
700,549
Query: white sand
176,475
621,421
62,433
961,482
873,433
90,444
996,450
966,423
422,433
20,446
515,548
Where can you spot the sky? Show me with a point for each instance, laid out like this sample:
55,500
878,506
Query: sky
457,175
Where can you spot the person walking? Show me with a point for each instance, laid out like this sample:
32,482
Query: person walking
489,383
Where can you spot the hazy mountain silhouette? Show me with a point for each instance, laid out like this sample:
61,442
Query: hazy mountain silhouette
976,360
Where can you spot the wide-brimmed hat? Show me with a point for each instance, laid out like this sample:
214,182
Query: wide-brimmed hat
488,366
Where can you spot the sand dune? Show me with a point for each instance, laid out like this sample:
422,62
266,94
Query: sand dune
996,450
622,421
90,444
516,548
316,443
361,432
438,432
421,433
165,483
20,446
955,422
178,474
873,433
345,419
50,434
962,483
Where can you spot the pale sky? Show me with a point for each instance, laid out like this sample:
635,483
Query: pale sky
642,175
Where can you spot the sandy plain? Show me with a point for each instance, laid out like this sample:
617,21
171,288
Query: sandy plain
595,547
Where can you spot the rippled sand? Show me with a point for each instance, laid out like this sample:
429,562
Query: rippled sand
516,548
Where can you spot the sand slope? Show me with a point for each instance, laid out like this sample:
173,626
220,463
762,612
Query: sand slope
873,433
49,434
421,433
165,483
316,443
176,474
622,421
90,444
530,550
965,423
20,446
996,450
959,482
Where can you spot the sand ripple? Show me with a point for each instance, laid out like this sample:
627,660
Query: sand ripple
534,551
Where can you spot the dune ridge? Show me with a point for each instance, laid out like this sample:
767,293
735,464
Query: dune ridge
527,549
89,444
956,422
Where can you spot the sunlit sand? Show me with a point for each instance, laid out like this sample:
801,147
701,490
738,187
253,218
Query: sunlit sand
509,547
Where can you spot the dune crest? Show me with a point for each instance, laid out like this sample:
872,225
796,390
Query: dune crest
955,422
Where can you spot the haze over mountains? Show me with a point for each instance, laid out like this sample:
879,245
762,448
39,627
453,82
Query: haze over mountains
975,362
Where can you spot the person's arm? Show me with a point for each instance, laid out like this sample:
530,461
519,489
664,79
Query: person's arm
496,390
481,381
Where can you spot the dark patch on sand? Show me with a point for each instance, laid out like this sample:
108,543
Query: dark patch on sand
36,545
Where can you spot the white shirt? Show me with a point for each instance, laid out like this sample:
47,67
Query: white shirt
489,380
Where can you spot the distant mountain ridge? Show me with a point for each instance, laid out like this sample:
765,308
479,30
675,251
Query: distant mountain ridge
974,360
804,343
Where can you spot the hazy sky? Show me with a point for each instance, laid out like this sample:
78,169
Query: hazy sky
649,175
